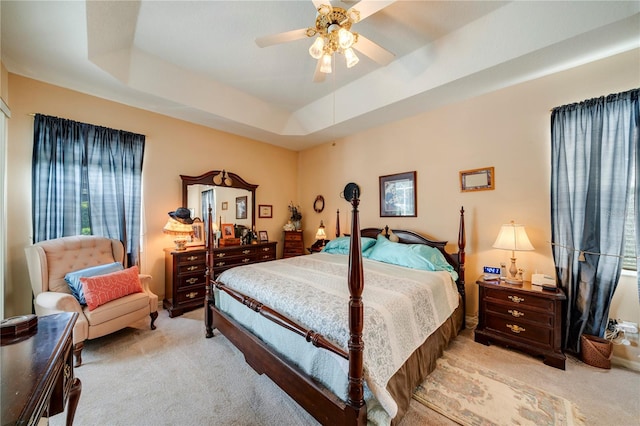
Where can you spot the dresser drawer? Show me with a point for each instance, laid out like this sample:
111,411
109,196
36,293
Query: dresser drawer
192,268
520,330
191,295
520,312
233,261
191,258
522,299
187,280
293,236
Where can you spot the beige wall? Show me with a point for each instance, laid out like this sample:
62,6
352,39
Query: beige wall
507,129
173,147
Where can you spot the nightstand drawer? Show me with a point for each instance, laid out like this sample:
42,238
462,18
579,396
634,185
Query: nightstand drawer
293,236
191,258
191,268
190,296
518,298
520,330
520,312
190,279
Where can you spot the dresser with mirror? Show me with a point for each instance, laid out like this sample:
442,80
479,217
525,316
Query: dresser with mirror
232,201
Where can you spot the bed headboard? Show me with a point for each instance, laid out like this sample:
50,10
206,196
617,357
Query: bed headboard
409,237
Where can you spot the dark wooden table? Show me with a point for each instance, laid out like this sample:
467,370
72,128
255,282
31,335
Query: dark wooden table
37,372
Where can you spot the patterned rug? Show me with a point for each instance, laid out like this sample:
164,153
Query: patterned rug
472,395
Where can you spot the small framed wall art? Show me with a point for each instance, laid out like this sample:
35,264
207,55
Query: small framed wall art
241,207
265,211
477,179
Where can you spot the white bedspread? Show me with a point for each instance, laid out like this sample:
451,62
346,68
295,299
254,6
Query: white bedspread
402,306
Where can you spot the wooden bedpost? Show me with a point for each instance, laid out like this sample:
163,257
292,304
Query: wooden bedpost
462,242
356,313
209,298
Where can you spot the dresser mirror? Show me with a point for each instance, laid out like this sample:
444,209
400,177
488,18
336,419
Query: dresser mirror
232,199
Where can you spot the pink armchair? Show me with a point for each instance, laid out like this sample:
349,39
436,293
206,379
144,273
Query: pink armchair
49,262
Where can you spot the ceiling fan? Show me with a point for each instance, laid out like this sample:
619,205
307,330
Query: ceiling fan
334,35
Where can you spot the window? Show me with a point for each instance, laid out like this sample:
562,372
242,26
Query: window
87,180
629,261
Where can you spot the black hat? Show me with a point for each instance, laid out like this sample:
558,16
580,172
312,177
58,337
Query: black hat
182,215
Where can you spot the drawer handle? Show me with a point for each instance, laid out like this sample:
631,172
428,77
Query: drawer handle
516,313
192,294
192,268
67,371
220,254
192,280
266,249
245,260
266,256
515,328
246,251
516,299
192,258
220,264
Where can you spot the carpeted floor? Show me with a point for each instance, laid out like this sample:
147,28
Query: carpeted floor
174,376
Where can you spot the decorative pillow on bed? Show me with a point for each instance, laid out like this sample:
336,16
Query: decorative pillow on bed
73,278
341,245
101,289
416,256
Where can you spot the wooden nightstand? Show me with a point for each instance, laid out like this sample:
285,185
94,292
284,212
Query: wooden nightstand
293,244
523,317
184,279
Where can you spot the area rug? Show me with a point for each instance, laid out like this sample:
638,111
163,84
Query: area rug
472,395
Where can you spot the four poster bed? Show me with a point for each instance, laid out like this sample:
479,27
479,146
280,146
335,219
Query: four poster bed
368,351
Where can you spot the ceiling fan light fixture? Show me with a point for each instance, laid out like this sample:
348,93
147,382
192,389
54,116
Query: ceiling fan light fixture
345,38
317,48
351,57
325,9
353,15
325,65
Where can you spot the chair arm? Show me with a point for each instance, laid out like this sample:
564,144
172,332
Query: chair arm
51,302
145,281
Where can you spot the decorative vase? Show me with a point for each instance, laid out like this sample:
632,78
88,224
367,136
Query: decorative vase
297,225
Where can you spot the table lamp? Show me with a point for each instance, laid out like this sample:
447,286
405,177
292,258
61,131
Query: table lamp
512,236
180,226
321,237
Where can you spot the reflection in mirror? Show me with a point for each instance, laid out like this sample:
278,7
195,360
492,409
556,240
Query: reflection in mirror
230,204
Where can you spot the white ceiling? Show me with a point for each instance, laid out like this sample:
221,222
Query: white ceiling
198,60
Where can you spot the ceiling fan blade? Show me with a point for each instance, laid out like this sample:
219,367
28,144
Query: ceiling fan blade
369,7
318,77
318,3
373,50
285,37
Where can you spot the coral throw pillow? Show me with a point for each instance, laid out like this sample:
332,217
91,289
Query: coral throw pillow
101,289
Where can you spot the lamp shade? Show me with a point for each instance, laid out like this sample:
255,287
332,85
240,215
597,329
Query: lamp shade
321,235
512,236
173,227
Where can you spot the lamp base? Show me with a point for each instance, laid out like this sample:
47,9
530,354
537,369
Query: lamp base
513,281
180,245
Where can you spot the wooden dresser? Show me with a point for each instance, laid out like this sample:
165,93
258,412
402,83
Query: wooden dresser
523,317
185,281
228,257
293,244
37,372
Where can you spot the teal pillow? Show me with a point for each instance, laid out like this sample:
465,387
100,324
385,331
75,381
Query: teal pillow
416,256
73,278
341,245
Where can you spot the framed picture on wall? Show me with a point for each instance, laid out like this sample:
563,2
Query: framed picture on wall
398,195
241,207
225,205
265,211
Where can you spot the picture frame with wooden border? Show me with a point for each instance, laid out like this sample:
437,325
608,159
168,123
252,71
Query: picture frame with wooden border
477,179
263,236
241,207
197,239
224,205
398,195
265,211
228,231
